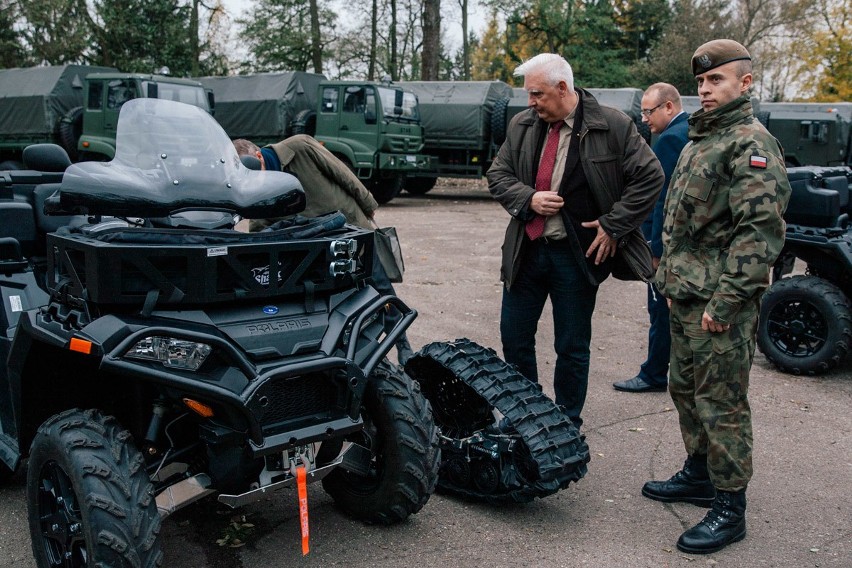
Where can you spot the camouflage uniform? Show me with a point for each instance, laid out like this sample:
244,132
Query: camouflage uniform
723,230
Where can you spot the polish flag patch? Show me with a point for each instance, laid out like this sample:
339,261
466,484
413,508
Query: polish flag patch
757,161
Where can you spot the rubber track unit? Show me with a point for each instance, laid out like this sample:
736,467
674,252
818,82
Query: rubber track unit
554,443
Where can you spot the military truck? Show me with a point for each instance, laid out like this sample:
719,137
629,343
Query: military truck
466,123
460,120
812,134
76,106
372,127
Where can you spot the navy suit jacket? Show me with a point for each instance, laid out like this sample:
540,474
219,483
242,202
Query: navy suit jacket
667,148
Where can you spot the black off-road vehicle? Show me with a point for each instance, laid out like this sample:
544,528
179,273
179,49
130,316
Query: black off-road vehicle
806,320
155,356
152,357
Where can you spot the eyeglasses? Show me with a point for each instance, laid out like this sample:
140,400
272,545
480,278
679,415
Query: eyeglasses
650,111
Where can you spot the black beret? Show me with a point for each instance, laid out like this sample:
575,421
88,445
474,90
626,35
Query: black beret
715,53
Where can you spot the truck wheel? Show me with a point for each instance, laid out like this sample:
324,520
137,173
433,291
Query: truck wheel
89,498
385,189
403,441
763,118
498,120
70,130
805,325
305,122
420,185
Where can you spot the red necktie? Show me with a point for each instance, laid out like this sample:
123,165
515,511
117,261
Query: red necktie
535,228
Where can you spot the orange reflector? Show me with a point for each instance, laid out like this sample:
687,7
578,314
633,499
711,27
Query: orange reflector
80,346
302,484
85,144
199,408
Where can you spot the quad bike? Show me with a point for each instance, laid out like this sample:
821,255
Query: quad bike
155,356
806,320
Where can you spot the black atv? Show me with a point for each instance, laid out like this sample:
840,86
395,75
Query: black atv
806,320
154,356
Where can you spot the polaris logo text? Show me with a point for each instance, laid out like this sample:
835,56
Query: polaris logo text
278,326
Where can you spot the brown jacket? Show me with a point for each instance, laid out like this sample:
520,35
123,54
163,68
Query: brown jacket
328,183
624,175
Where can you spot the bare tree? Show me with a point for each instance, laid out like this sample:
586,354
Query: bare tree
431,39
316,37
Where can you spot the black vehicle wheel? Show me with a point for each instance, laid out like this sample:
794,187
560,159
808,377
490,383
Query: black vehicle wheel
70,129
420,185
805,325
763,118
89,499
305,122
403,441
385,189
498,120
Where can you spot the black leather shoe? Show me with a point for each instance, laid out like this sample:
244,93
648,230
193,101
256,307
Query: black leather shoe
723,524
689,485
637,385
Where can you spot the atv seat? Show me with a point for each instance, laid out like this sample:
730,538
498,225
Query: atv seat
17,223
820,197
46,158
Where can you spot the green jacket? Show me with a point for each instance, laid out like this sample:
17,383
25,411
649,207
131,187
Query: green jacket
624,175
724,222
328,183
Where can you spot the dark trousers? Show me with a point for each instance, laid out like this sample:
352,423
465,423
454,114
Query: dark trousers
655,369
550,269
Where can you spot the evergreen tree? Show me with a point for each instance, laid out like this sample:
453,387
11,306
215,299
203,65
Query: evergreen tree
11,50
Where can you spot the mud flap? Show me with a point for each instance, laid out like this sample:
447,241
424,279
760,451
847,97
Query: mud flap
534,451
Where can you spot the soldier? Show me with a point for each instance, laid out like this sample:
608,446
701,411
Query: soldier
722,232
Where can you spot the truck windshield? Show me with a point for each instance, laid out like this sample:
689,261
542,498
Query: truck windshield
408,110
189,94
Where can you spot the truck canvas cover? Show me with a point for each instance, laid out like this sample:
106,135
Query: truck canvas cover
627,100
457,114
35,98
262,107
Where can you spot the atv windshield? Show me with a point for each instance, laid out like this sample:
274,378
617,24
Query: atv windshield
172,157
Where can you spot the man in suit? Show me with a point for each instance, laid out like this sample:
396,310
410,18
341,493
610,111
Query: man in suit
576,179
663,112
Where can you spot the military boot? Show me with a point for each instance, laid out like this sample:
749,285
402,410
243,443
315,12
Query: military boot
689,485
723,525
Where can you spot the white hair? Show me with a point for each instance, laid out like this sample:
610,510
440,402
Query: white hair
554,67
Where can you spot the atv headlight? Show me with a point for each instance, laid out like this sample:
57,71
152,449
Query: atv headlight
171,352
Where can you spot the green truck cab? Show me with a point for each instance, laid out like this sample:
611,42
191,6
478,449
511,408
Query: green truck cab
77,106
107,92
812,134
372,127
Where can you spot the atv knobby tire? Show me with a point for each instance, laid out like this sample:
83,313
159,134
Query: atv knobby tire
805,325
400,433
89,498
